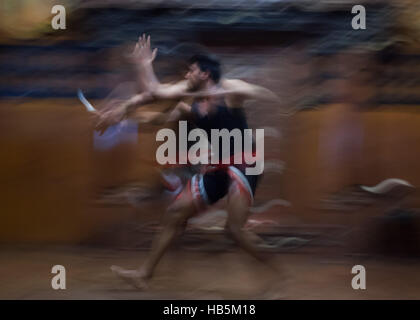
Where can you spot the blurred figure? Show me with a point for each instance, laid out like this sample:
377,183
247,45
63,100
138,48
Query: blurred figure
217,104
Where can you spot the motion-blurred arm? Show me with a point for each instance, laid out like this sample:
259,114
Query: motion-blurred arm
158,118
112,116
245,91
143,57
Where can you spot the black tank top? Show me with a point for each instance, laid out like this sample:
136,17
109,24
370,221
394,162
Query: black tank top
220,117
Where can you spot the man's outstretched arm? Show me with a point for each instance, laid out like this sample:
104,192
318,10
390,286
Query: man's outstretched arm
112,116
127,108
245,91
143,57
159,118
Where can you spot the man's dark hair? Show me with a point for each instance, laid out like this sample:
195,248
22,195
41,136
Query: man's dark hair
207,63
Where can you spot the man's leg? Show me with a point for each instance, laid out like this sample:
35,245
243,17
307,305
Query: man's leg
174,224
238,212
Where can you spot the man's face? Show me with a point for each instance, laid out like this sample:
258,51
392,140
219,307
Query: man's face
196,78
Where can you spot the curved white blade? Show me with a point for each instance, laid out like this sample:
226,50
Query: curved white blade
85,102
386,185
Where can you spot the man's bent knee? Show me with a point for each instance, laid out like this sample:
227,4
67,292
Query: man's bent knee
179,212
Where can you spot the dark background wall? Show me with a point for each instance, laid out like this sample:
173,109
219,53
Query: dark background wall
358,122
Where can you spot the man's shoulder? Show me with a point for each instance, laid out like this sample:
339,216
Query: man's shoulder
233,83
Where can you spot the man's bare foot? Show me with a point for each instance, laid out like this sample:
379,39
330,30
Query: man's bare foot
133,277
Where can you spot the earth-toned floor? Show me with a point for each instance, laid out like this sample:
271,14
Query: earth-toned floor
26,274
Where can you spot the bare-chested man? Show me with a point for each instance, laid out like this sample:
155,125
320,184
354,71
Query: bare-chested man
217,104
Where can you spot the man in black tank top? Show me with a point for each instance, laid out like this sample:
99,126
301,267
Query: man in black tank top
217,104
217,180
